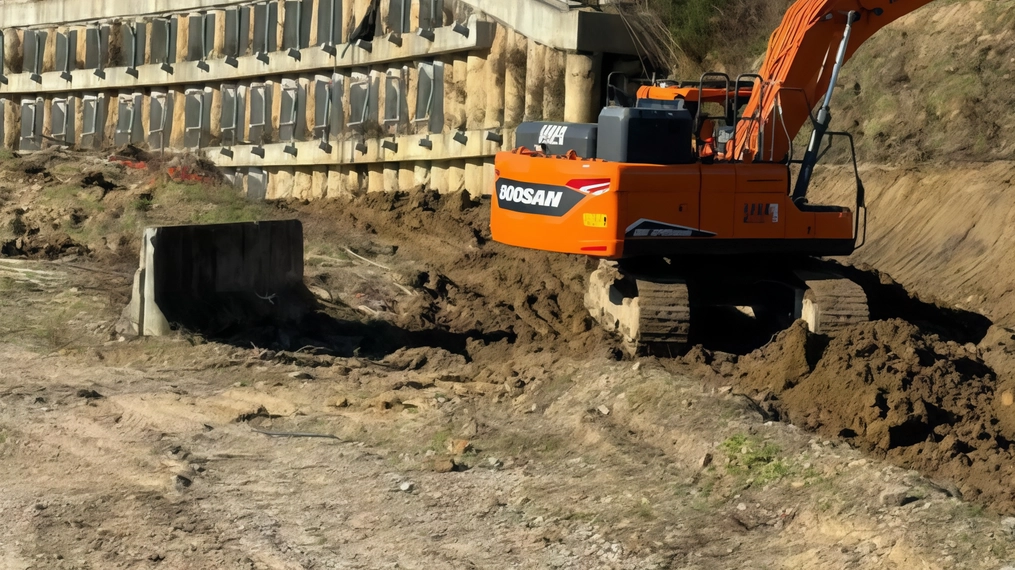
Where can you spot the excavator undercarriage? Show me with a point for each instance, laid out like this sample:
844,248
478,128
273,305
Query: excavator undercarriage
662,306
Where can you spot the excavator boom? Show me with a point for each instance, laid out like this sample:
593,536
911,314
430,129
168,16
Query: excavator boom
798,66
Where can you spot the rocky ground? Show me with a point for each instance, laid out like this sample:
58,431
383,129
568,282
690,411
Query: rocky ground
450,405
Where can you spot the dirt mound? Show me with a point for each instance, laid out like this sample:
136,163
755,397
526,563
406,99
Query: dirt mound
896,391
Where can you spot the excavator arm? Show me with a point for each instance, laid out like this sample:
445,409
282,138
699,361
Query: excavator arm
798,68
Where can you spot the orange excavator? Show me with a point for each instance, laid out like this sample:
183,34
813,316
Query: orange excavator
688,196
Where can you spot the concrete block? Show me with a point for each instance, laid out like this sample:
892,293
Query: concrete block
302,184
375,177
211,278
456,176
406,176
391,177
284,183
474,176
319,182
421,174
439,177
579,88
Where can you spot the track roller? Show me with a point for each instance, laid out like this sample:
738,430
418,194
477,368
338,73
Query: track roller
648,315
830,303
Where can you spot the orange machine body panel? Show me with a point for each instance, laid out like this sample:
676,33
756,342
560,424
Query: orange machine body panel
617,210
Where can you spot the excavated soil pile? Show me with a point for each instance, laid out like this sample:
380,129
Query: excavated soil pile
896,391
467,285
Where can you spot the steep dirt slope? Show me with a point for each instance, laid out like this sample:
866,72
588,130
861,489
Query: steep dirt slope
934,86
944,231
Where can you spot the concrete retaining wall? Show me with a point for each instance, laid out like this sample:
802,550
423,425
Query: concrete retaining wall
429,100
211,278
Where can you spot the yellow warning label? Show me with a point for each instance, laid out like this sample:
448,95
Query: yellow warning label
595,220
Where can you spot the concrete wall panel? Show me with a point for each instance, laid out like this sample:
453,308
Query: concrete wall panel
318,182
553,91
535,80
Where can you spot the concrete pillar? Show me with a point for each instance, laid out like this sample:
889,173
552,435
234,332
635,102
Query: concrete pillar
179,117
117,55
271,129
381,77
358,11
348,19
382,16
303,183
14,54
79,119
414,17
284,182
346,106
281,24
47,128
182,37
12,124
215,122
421,174
458,93
456,176
407,176
80,47
146,114
411,94
495,72
355,179
314,19
553,92
49,55
218,48
310,98
535,80
375,177
475,87
335,184
439,176
450,101
474,176
270,184
147,41
391,177
579,87
112,117
514,79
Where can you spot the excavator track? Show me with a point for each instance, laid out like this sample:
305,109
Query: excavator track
646,314
831,303
664,318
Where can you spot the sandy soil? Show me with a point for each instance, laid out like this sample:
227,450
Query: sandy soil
451,406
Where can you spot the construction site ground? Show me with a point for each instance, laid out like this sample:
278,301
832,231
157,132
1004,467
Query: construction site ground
450,404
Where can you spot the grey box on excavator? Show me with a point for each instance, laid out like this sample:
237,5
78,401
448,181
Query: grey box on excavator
645,136
559,138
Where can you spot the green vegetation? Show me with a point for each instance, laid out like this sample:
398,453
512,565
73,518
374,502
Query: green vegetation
717,35
210,204
754,459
